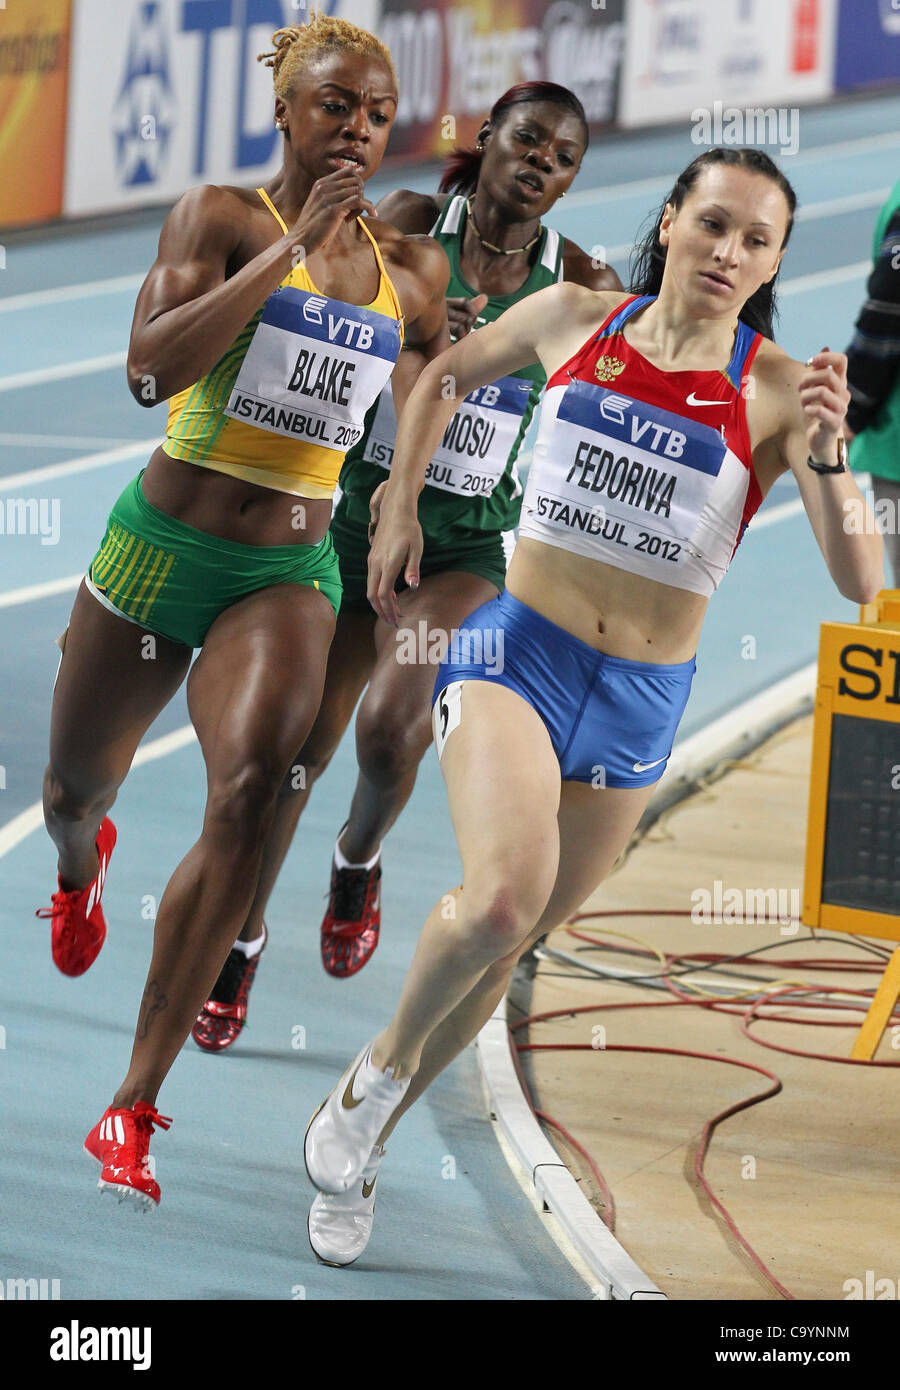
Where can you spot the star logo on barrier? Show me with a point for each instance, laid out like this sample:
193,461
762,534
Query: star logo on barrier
143,115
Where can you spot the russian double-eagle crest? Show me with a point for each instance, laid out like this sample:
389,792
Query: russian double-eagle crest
608,368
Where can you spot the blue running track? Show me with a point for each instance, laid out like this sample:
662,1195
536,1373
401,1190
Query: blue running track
451,1221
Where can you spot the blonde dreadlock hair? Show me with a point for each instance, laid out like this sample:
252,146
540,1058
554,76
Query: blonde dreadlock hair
298,44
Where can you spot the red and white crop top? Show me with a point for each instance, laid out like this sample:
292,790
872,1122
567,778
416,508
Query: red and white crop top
647,470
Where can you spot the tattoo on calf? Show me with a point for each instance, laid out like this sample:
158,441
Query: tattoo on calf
153,1002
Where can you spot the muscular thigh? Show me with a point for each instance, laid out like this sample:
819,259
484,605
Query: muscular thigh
402,682
113,680
351,658
255,688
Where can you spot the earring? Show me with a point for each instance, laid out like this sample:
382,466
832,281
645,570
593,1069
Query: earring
279,125
562,195
479,146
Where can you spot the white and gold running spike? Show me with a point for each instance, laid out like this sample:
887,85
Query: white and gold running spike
341,1133
339,1225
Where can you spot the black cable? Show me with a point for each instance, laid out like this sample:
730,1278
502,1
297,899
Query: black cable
713,966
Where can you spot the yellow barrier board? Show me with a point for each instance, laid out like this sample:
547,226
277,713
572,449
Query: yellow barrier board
852,870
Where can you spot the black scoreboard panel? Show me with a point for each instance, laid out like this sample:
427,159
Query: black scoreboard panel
861,867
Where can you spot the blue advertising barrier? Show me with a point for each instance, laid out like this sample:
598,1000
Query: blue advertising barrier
868,43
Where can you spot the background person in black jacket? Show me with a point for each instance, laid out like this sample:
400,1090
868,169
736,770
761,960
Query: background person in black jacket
873,416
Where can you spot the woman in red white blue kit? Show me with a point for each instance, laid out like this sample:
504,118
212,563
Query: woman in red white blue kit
668,416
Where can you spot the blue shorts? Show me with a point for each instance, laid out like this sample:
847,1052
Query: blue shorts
611,722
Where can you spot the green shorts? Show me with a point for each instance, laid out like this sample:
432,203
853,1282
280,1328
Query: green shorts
483,553
175,580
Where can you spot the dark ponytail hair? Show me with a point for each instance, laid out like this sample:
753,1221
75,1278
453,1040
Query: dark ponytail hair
462,166
648,258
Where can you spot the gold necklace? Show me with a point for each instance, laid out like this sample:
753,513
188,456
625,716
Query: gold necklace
499,250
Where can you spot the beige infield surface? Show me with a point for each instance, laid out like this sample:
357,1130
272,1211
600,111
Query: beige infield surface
811,1177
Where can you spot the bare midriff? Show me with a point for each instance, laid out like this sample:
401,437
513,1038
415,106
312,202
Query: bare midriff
232,509
610,609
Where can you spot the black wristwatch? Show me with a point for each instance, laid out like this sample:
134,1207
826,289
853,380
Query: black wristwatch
839,467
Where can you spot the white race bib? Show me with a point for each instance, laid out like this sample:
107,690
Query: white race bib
313,368
635,486
472,456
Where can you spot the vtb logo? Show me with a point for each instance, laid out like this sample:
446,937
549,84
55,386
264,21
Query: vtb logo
312,309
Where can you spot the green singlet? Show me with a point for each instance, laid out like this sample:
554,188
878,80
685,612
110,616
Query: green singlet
874,450
472,493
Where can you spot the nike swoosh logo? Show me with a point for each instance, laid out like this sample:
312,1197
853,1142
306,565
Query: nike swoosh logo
692,400
367,1188
348,1100
645,767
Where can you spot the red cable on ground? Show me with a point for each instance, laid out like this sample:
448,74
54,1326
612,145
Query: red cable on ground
724,1004
748,1015
609,1213
609,1216
751,1014
708,1128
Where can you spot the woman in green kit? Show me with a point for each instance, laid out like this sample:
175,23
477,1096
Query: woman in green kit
487,217
873,359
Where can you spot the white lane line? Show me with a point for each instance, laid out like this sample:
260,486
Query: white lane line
820,279
774,515
59,441
837,149
851,202
616,192
116,284
661,184
657,187
21,826
617,253
12,597
81,464
86,367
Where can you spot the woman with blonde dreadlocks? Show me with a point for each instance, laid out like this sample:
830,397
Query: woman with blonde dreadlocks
270,321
